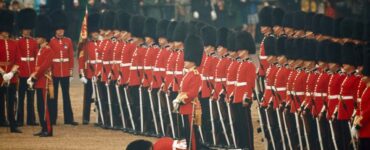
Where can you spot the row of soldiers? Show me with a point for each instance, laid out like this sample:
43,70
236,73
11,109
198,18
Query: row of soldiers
137,71
28,57
310,71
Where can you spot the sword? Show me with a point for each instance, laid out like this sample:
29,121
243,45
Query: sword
319,133
120,106
129,109
305,132
94,97
280,128
141,110
170,115
352,138
231,124
270,130
333,134
212,122
99,103
298,130
109,104
222,121
260,115
191,125
153,112
287,132
160,111
201,133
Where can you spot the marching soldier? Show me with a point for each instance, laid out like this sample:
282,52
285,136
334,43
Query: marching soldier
41,78
245,81
62,69
150,104
136,71
88,65
8,69
27,51
159,72
209,38
187,102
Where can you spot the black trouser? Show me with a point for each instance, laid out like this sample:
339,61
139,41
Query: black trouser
125,106
264,127
147,113
178,119
274,123
135,105
23,89
221,112
9,93
364,144
343,135
104,103
3,92
67,108
206,119
88,91
155,110
243,126
117,122
186,132
311,130
325,133
165,114
43,111
292,128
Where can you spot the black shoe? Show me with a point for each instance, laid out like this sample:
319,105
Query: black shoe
73,123
85,122
38,133
16,130
46,134
33,124
20,124
4,124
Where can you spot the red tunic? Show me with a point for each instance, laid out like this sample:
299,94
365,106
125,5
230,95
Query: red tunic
320,93
289,87
170,69
335,83
298,90
360,90
63,61
206,88
348,97
310,89
270,79
43,66
126,57
263,59
220,76
89,59
190,85
178,73
8,57
27,51
136,69
149,62
365,113
116,59
280,85
232,72
159,70
106,50
245,81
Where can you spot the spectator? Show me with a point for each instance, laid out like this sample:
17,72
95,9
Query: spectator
2,5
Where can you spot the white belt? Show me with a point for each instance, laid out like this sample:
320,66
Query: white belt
308,94
320,94
204,78
289,92
220,79
298,93
333,96
91,61
281,89
115,62
135,67
106,62
147,67
241,83
211,78
230,82
27,59
268,87
125,64
169,72
159,69
263,57
178,73
346,97
61,60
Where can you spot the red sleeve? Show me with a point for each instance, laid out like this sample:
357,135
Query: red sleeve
18,54
71,60
251,81
194,88
81,59
46,64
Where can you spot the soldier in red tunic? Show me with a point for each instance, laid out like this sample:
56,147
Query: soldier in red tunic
27,51
41,78
187,102
88,64
209,38
8,59
62,69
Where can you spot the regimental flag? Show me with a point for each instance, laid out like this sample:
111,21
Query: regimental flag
83,32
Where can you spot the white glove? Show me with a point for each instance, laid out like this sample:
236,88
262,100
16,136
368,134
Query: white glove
30,82
93,79
8,76
243,1
83,80
354,132
70,79
176,104
196,14
213,15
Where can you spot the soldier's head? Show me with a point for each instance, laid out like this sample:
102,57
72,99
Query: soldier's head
179,34
193,52
348,58
140,144
346,27
123,24
43,29
358,32
244,44
136,28
277,20
287,24
60,22
150,30
222,41
6,24
308,25
161,32
265,17
231,37
298,24
209,34
282,59
26,21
